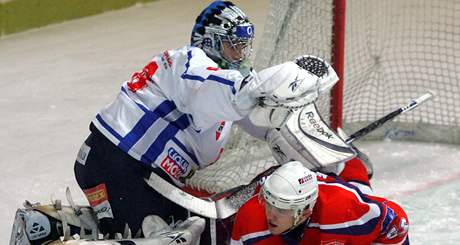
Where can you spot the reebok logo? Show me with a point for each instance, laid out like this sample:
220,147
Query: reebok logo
317,126
295,84
178,238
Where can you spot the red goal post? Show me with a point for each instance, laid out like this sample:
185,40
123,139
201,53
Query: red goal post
386,52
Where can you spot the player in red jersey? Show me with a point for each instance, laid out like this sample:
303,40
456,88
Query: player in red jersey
298,206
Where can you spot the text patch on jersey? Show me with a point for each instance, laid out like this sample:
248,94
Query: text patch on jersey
83,154
174,163
139,79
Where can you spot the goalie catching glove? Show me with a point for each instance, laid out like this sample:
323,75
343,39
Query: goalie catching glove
283,88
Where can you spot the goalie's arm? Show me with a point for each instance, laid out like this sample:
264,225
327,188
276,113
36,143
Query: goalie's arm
253,130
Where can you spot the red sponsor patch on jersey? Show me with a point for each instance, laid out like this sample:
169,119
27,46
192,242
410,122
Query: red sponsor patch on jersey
213,68
171,167
96,195
139,79
219,130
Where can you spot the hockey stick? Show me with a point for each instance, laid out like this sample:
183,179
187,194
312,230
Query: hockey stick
219,209
376,124
224,207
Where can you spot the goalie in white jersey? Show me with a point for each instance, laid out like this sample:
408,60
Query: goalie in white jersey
174,117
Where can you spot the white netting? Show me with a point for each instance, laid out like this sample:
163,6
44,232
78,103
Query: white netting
396,50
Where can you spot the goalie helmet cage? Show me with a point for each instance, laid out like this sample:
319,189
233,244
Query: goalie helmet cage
386,52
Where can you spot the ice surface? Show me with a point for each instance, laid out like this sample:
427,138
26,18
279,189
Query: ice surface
53,80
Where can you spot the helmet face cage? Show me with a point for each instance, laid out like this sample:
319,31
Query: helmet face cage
223,22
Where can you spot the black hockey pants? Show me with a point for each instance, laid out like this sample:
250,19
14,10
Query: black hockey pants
108,169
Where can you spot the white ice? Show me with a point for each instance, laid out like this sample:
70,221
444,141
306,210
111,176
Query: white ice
54,79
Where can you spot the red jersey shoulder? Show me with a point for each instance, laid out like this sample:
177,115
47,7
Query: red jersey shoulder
252,210
250,222
395,223
340,207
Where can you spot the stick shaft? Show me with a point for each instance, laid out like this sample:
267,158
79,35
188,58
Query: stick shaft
376,124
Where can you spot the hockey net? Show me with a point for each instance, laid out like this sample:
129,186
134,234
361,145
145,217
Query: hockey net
394,51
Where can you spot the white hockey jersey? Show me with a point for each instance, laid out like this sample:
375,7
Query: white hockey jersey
176,113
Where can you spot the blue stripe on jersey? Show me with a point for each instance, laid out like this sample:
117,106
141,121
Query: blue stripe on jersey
182,122
158,146
182,146
356,230
210,77
147,120
389,217
107,126
362,229
187,65
224,81
255,240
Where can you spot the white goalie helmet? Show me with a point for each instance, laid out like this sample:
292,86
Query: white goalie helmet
222,22
291,187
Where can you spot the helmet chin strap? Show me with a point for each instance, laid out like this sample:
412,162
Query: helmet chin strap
243,66
295,224
298,216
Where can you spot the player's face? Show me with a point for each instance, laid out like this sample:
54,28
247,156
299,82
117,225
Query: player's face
278,220
236,51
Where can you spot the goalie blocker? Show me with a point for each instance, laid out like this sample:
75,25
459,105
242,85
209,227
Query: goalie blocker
305,137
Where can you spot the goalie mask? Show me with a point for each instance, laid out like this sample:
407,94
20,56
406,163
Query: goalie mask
225,34
291,189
